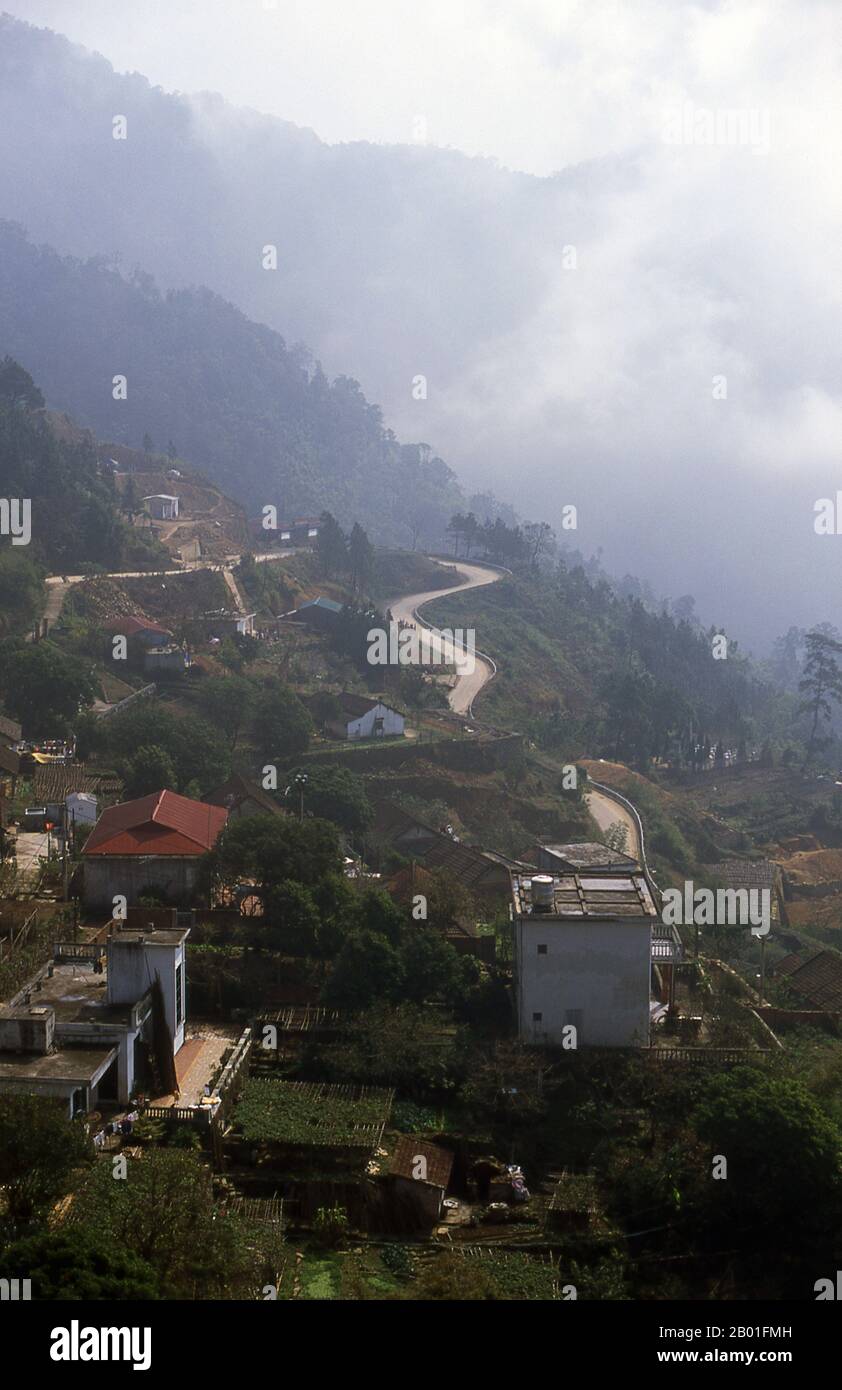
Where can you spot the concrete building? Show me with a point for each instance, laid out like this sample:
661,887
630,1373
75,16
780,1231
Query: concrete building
170,658
81,807
323,614
583,957
299,531
161,507
365,716
587,857
227,624
98,1023
155,842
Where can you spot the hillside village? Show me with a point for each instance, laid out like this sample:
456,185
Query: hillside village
367,968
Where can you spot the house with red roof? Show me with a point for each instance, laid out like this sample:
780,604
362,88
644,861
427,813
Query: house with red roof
143,630
152,844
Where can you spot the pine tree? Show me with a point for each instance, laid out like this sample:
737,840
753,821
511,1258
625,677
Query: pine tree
331,546
821,684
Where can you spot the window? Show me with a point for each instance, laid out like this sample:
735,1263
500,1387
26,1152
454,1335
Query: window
542,950
537,1018
179,995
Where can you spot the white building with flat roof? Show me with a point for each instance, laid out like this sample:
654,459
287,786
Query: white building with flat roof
583,954
98,1022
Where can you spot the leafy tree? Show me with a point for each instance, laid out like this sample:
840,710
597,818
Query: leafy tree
783,1154
44,688
21,590
78,1266
433,969
374,911
232,655
289,907
17,387
337,794
368,968
165,1215
539,538
628,700
272,851
75,514
199,756
150,770
39,1150
227,701
281,725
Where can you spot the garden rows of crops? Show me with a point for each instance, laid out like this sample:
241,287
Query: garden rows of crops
303,1113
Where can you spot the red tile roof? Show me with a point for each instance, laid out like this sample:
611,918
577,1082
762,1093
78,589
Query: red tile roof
129,625
162,823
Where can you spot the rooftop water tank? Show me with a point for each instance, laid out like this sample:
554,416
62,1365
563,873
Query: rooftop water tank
543,887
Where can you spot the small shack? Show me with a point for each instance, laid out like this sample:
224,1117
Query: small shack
419,1175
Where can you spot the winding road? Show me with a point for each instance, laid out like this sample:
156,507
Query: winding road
603,809
608,813
473,671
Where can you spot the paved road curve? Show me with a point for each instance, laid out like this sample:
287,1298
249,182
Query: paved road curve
405,609
607,813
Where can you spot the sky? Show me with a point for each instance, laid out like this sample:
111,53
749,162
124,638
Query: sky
535,84
691,364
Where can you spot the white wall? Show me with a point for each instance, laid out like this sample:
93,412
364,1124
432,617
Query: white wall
132,966
82,807
601,969
364,726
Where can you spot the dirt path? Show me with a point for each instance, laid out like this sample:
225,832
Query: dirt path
58,585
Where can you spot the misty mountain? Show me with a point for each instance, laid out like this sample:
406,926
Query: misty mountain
260,419
572,329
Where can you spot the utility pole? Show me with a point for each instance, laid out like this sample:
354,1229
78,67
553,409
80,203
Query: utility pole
300,781
762,969
64,876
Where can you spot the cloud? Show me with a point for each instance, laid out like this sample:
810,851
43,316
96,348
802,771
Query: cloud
694,261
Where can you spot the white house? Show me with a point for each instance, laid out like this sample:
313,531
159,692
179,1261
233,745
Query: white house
98,1023
583,953
81,808
161,506
366,716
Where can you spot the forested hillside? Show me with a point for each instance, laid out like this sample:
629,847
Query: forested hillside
585,668
257,417
74,514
